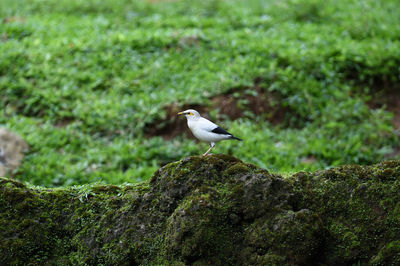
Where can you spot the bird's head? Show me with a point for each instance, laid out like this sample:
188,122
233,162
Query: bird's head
190,114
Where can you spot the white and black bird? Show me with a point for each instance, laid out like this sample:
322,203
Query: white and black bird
205,130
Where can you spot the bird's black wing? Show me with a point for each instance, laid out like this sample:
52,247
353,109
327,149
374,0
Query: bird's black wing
219,130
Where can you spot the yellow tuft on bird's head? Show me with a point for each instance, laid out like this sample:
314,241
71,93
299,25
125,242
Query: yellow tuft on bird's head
189,112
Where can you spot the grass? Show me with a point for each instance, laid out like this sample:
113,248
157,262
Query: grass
81,81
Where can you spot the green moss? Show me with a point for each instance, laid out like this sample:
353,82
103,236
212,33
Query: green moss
208,210
238,168
106,189
199,228
388,254
10,183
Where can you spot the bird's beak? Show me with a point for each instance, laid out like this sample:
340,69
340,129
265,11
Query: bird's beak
180,113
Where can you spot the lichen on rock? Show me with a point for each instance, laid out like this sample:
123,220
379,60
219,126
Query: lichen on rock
214,210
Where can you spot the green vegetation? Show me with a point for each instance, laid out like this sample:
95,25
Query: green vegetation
213,210
82,81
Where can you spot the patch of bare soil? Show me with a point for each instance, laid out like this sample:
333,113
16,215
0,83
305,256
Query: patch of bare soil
13,19
237,102
234,104
64,121
173,125
390,99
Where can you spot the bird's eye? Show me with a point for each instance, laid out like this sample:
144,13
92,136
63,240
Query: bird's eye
190,113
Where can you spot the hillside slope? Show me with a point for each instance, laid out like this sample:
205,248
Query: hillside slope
94,86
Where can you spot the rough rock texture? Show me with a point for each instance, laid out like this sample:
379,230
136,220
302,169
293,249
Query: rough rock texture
215,210
12,148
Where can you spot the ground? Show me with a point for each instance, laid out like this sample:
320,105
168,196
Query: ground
93,86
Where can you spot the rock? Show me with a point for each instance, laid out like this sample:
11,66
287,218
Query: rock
12,148
213,210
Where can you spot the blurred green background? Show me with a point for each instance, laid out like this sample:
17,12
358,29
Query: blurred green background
94,86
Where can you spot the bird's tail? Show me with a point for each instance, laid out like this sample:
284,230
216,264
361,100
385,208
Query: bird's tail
233,137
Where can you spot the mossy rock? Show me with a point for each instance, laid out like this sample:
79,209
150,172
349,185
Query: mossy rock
213,210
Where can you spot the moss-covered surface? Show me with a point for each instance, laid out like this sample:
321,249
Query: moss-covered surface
213,210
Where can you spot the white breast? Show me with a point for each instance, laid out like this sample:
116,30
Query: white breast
202,131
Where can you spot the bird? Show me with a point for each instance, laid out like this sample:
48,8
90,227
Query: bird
205,130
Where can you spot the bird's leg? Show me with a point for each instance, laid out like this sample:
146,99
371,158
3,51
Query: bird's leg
212,144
